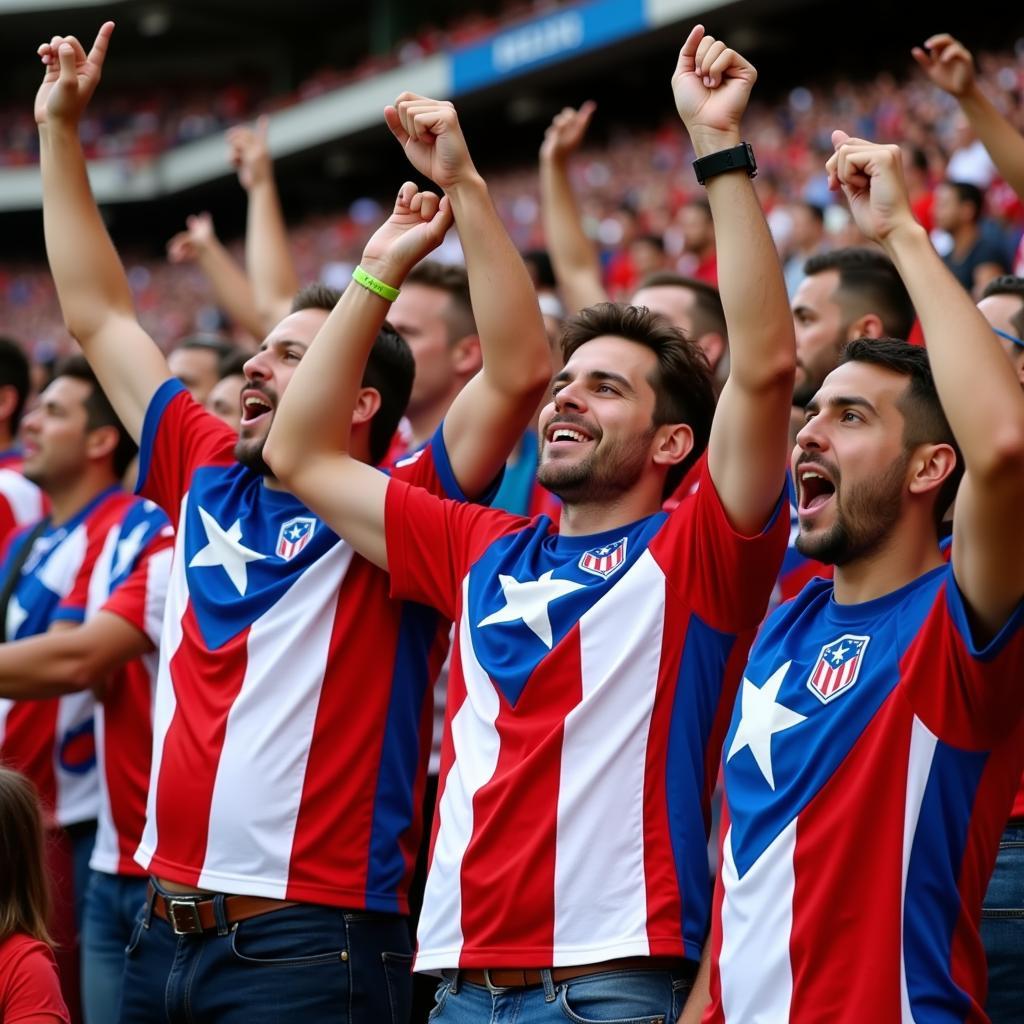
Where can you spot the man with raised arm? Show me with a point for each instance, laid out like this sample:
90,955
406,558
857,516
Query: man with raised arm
568,874
877,744
293,694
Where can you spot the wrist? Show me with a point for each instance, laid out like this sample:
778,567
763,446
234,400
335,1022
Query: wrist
905,236
470,186
388,271
705,142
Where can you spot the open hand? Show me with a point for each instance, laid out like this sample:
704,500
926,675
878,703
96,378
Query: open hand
565,133
416,227
186,246
711,86
70,76
947,63
871,177
250,154
428,130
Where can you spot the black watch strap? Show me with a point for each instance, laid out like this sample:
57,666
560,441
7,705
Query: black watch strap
738,158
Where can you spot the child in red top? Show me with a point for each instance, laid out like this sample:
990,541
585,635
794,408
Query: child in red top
29,985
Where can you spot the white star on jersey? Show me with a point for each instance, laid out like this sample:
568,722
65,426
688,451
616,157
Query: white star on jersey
762,718
529,601
225,548
16,615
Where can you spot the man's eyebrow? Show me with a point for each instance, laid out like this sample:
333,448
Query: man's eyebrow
596,375
857,401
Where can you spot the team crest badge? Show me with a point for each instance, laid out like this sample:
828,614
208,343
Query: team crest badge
293,536
605,560
837,667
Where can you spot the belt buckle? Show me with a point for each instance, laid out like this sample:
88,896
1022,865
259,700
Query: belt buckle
190,923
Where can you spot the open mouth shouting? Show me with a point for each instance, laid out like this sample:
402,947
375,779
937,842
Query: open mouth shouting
566,436
816,489
255,406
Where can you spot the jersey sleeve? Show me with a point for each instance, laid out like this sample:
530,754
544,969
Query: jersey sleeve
725,577
431,469
432,542
32,992
178,435
969,695
140,597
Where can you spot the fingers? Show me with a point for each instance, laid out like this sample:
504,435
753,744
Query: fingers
688,53
98,52
423,118
586,112
68,66
394,123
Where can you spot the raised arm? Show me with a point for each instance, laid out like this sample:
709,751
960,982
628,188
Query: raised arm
95,298
268,258
310,441
573,256
487,419
968,364
70,658
749,441
948,63
199,244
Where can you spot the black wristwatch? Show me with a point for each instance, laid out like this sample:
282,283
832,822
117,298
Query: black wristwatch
739,158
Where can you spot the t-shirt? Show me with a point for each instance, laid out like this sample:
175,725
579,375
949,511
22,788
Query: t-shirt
129,580
29,986
21,501
869,768
52,741
292,718
984,250
583,723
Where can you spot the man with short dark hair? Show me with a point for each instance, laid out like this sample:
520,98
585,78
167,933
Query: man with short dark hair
434,314
846,294
20,500
1002,305
56,572
975,257
589,660
196,363
876,745
290,712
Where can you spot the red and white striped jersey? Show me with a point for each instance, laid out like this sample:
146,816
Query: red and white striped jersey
52,741
584,722
21,501
869,768
293,711
129,580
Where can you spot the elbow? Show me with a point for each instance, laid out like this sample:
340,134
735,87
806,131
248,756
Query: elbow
1004,456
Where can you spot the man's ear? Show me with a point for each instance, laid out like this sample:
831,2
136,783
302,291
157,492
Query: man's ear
368,401
102,442
672,443
868,326
467,357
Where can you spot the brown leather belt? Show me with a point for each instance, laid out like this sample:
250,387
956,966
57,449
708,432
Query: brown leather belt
191,915
507,977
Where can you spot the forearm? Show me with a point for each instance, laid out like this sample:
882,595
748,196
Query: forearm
1004,143
573,256
700,993
45,666
90,280
762,350
268,256
315,415
516,359
231,288
967,360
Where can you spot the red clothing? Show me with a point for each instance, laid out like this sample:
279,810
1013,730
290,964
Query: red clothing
29,986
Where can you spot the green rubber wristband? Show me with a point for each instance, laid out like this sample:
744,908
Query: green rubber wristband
372,284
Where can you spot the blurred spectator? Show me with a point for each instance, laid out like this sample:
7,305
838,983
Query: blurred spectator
806,239
225,397
196,363
975,257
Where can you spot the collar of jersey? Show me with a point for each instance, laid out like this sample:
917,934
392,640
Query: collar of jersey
569,543
93,503
847,613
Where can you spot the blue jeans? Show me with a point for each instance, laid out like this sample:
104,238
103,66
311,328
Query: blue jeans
301,965
614,997
1002,929
112,905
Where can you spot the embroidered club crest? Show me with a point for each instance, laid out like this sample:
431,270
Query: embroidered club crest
293,536
605,560
837,667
